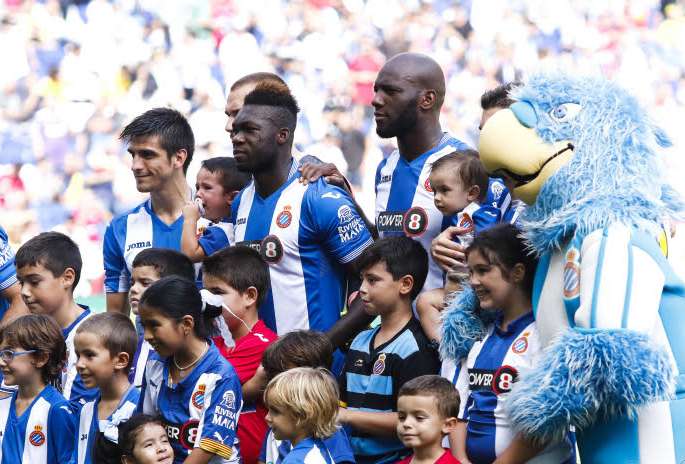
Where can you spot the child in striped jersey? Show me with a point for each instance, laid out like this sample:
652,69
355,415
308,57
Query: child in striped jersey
105,345
49,268
303,405
148,267
187,381
218,183
501,274
36,423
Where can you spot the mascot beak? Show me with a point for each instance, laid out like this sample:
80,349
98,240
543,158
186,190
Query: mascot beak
510,148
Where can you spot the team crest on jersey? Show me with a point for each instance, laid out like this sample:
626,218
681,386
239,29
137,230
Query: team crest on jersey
228,399
198,398
520,345
572,274
37,437
466,222
345,214
427,185
497,189
379,365
284,218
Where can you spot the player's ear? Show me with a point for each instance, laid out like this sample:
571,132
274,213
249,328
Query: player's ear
283,135
178,159
406,284
518,273
473,194
68,277
250,295
40,359
449,425
121,360
428,99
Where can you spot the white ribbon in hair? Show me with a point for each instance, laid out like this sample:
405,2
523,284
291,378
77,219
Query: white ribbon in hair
209,298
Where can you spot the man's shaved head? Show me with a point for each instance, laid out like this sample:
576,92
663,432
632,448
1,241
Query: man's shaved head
420,70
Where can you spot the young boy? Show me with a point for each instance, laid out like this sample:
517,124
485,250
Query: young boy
49,268
148,267
460,186
301,348
241,277
105,345
427,409
382,359
218,182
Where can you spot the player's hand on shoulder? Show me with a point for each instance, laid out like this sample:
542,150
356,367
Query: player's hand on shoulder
311,172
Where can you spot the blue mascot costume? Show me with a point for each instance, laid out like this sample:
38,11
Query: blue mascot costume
611,312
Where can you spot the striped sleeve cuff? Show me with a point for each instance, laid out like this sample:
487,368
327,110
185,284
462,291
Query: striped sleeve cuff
215,447
8,282
354,254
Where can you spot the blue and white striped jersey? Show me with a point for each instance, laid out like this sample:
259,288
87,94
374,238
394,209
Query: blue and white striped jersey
201,411
42,434
72,385
338,445
404,200
215,236
130,233
306,233
89,425
483,381
8,273
618,278
309,451
135,375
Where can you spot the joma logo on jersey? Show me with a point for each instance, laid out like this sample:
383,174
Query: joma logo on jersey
136,245
241,221
387,178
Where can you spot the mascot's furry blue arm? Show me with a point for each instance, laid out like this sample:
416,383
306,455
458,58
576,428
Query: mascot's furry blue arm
609,309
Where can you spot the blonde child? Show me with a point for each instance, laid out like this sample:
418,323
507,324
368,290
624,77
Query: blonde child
302,407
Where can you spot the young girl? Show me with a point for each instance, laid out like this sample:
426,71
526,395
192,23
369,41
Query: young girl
143,440
501,274
187,382
303,405
36,423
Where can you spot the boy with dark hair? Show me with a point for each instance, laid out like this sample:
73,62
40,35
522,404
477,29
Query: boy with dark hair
148,267
161,144
301,348
48,269
382,359
240,278
218,182
427,409
105,345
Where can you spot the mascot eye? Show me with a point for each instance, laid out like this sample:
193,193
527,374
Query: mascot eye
565,112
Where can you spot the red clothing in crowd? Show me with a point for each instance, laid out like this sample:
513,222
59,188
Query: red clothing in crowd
446,458
245,358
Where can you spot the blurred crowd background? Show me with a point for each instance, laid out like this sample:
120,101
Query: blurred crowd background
75,71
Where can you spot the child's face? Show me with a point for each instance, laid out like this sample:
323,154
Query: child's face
450,195
419,421
23,369
493,289
151,446
142,277
282,424
43,292
240,303
379,291
165,334
94,362
216,202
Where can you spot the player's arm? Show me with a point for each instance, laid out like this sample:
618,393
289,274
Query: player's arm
199,456
429,306
379,424
519,451
17,307
219,420
350,324
117,278
190,245
254,387
457,440
117,302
